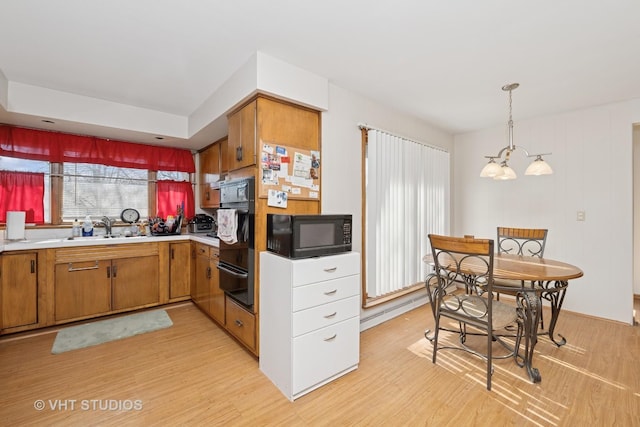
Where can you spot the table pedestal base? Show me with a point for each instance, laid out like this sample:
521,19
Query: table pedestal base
529,302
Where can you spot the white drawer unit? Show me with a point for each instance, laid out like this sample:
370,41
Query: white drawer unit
309,320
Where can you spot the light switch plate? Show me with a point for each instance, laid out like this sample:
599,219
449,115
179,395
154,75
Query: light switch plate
580,216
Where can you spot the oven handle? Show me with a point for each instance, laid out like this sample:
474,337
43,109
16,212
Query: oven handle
233,273
239,211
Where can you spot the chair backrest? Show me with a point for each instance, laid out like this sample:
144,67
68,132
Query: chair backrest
463,259
522,241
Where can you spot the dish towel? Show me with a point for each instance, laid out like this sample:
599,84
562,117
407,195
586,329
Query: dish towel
228,225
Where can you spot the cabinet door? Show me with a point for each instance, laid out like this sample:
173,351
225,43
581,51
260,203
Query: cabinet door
82,289
216,301
224,156
288,124
242,137
203,273
179,269
135,282
209,173
19,290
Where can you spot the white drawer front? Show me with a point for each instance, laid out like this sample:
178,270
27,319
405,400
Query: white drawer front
324,315
325,268
324,353
324,292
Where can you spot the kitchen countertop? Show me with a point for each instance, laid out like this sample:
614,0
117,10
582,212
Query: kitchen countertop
57,242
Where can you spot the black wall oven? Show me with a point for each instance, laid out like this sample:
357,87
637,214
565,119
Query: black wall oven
236,265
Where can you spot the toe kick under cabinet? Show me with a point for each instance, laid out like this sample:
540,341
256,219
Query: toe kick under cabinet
309,320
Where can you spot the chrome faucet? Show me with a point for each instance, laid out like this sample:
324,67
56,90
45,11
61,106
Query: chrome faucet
108,223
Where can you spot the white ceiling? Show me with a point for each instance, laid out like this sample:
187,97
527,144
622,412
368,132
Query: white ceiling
442,61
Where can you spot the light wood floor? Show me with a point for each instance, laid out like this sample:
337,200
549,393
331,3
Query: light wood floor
194,374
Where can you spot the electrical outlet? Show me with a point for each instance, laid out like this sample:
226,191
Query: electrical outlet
580,216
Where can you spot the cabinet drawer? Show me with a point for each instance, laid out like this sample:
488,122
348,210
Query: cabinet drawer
325,353
325,268
324,315
324,292
202,249
241,323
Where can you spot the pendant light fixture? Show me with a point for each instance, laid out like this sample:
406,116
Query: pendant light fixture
502,170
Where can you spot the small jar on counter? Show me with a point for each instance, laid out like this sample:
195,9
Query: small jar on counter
77,229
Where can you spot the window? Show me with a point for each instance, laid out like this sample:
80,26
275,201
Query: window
99,190
406,198
73,176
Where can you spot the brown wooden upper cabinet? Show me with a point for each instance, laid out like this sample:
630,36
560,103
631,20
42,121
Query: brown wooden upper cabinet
241,151
224,156
210,172
266,120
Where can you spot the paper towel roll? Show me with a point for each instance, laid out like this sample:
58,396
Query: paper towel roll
15,225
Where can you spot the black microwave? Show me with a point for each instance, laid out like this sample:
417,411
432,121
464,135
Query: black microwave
304,236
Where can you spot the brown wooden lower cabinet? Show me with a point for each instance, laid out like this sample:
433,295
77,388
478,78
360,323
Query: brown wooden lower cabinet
241,324
134,282
208,295
216,295
179,269
200,288
82,289
86,282
19,289
102,279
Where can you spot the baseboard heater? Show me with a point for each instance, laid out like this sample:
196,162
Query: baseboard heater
395,309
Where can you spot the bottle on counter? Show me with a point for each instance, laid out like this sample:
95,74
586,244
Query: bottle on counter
87,227
77,230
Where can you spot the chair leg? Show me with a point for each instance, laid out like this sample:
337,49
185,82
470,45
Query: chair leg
489,358
434,339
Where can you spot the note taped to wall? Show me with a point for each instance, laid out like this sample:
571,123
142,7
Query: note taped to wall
277,199
301,165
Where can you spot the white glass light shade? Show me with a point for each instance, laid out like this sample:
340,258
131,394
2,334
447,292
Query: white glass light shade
507,173
539,167
491,170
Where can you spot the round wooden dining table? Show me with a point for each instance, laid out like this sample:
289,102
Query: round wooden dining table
544,279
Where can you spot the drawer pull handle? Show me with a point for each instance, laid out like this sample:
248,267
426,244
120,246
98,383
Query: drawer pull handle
331,270
331,292
239,323
329,316
95,267
331,338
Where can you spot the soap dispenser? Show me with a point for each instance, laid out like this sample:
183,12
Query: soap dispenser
87,227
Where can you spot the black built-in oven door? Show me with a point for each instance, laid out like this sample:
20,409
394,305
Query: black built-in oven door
237,283
236,263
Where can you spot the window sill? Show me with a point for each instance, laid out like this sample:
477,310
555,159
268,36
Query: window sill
373,302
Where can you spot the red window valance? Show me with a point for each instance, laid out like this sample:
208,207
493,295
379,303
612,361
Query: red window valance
62,147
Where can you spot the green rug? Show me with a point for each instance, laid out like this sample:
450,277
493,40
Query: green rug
102,331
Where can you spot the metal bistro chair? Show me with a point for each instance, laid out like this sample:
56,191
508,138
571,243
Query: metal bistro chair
470,261
520,241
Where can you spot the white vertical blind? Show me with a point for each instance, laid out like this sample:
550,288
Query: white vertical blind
407,197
